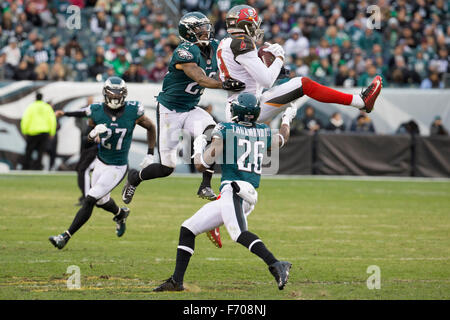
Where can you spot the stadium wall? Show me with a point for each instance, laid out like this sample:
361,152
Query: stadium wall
394,107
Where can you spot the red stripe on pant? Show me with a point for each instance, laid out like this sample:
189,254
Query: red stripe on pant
324,94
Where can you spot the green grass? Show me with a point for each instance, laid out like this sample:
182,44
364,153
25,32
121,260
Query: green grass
331,231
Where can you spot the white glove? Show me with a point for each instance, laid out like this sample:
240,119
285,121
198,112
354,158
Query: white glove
288,115
100,128
275,49
148,160
200,144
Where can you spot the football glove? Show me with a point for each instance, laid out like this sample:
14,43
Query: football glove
284,73
275,49
99,129
148,160
288,115
233,85
200,144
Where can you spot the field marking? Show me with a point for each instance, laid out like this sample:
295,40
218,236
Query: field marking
274,177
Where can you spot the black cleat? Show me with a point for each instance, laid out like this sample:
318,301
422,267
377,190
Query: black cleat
280,271
129,189
169,285
206,193
120,219
59,241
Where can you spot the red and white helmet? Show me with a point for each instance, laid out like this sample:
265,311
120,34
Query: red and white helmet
244,19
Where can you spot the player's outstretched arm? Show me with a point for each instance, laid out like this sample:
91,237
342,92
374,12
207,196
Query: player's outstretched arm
193,71
77,114
282,137
148,124
203,159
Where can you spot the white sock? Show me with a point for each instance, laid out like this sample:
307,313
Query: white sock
357,101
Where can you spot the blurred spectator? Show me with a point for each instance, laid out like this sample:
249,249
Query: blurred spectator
100,22
72,47
345,77
132,74
42,71
437,128
79,67
362,124
120,64
39,52
97,69
310,122
336,124
24,71
158,72
58,71
409,127
432,81
12,53
38,124
297,45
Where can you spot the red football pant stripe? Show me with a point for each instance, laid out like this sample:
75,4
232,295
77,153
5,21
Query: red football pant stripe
324,94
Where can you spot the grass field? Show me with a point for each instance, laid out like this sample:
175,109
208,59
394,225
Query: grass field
330,230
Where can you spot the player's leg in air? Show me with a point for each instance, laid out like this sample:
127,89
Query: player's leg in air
104,179
170,126
232,211
278,98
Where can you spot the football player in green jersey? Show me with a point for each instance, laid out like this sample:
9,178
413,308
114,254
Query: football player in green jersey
192,69
241,145
114,121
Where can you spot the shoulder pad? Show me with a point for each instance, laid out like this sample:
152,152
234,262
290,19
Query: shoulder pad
241,44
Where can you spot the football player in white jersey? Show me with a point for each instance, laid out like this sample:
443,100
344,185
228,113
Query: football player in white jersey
237,57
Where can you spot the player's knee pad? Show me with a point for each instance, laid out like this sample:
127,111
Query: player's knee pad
103,200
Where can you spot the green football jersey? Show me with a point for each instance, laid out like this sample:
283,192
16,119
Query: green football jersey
243,150
179,92
116,141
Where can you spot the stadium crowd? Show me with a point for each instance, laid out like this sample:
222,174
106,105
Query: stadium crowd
326,40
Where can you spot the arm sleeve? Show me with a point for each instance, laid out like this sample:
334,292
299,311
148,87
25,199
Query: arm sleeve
77,114
264,76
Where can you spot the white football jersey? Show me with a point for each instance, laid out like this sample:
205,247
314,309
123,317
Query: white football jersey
237,58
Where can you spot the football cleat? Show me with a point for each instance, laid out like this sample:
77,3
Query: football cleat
371,93
59,241
169,285
280,271
120,220
128,189
214,236
206,193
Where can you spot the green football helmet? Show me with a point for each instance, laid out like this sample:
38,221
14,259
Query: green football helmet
193,26
115,91
245,109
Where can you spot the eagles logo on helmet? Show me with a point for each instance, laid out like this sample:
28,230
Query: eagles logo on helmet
195,27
